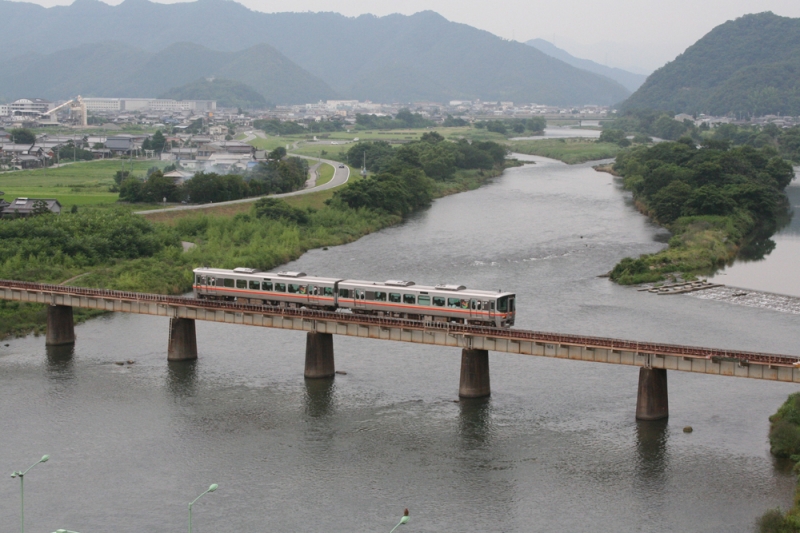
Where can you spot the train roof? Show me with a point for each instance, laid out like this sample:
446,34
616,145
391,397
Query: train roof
286,276
454,290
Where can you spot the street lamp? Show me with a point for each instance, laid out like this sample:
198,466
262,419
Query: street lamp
403,521
212,488
21,476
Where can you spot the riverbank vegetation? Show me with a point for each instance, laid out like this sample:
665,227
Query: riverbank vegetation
569,150
114,249
784,441
717,202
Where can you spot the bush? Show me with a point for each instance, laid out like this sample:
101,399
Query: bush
275,209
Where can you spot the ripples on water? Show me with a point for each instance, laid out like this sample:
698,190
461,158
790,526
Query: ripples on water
556,448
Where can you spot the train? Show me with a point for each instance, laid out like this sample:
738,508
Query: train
392,298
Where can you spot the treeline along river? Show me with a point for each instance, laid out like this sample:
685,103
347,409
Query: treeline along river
556,448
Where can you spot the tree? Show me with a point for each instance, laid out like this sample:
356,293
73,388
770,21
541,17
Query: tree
277,154
131,190
157,187
668,203
158,141
23,136
612,136
40,208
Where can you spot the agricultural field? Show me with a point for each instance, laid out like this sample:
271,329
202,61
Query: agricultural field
82,183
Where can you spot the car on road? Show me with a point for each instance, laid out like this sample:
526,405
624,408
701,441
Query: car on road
341,166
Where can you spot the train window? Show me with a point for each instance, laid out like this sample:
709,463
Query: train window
511,304
328,291
380,296
241,283
502,304
409,299
394,297
255,285
424,300
212,281
266,285
297,289
491,306
438,301
228,282
344,293
280,287
454,302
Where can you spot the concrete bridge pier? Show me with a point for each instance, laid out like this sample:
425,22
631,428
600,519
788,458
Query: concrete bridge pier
182,340
652,402
474,374
60,325
319,356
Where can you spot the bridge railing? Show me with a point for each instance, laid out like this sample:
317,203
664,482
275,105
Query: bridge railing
450,328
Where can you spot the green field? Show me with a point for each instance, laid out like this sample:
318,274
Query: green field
326,172
570,151
83,183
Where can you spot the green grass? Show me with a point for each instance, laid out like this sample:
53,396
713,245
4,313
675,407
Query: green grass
326,172
82,183
570,151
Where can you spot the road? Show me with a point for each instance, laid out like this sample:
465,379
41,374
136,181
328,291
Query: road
340,177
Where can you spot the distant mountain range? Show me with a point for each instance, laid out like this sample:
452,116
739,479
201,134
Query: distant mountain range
116,69
395,58
629,80
749,66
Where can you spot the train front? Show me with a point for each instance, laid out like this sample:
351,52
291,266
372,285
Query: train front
506,309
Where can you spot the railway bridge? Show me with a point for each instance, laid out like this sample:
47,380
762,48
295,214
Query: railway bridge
475,341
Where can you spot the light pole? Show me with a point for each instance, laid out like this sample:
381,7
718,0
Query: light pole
403,521
21,476
212,488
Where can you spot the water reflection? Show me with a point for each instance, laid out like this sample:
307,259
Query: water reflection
319,397
651,445
475,421
182,377
60,361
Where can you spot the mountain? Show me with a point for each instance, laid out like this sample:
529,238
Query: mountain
227,93
393,58
116,69
749,67
629,80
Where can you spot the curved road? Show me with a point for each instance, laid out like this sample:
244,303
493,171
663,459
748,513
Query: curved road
340,177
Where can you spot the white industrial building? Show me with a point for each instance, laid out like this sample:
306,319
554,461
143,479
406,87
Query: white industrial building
115,105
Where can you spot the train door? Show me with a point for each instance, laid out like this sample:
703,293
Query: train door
313,294
475,309
360,298
489,306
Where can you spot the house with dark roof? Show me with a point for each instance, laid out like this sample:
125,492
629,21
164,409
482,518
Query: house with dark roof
25,207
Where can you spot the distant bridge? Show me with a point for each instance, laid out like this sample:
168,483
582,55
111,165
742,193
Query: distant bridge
475,341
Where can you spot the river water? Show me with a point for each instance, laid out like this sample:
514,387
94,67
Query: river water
556,448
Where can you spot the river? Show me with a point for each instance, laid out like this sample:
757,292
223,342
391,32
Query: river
556,447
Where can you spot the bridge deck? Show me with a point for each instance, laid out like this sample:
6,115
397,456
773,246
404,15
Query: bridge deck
595,349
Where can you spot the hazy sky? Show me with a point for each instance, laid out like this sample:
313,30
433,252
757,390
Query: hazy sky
633,34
